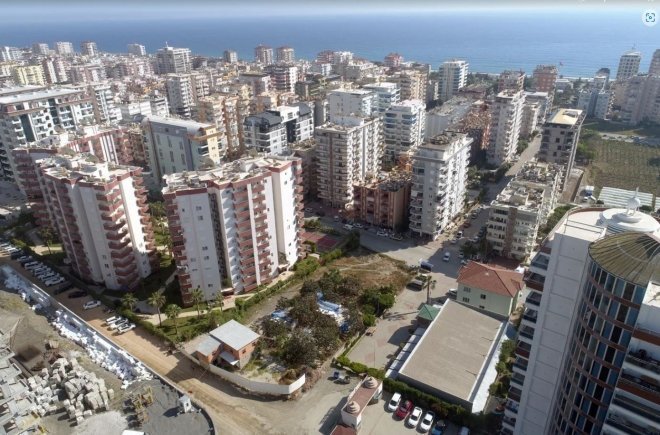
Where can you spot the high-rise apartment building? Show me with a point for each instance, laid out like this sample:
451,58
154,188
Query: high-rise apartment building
383,202
640,99
28,75
264,55
101,215
628,64
64,48
88,73
233,227
175,145
105,107
352,102
452,77
54,70
439,179
544,79
230,56
40,48
89,48
592,294
506,117
559,140
654,67
521,208
285,55
227,113
283,77
32,115
393,60
529,119
136,49
511,80
387,94
270,132
170,60
412,84
349,151
258,82
8,54
180,94
404,124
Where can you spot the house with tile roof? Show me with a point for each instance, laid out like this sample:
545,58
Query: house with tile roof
488,288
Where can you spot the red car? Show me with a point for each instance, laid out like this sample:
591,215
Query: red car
404,409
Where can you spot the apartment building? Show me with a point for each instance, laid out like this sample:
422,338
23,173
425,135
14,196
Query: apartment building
404,127
511,80
352,102
654,67
452,77
87,73
266,133
107,143
30,114
544,79
595,102
283,78
233,227
393,60
306,150
258,82
544,102
54,70
227,114
640,99
180,94
559,140
26,178
488,288
103,101
28,75
8,54
439,179
521,208
628,64
384,201
387,94
136,49
171,60
101,215
40,48
285,54
264,55
176,145
412,84
506,116
582,312
89,48
529,119
230,56
349,151
448,115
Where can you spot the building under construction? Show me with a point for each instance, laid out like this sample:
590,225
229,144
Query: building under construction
384,201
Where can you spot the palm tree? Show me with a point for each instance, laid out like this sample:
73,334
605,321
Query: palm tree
220,300
157,300
129,301
47,236
197,298
172,311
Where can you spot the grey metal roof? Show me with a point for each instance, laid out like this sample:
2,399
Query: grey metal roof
208,346
632,256
234,335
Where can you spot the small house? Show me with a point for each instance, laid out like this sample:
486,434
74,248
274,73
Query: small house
232,343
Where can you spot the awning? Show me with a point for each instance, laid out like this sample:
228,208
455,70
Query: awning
229,358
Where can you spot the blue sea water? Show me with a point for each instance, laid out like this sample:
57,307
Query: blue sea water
490,41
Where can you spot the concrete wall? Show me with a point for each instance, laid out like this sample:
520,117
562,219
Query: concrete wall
494,303
255,387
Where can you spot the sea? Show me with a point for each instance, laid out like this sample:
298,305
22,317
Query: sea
580,42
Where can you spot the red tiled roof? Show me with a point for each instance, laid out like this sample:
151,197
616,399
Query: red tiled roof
491,279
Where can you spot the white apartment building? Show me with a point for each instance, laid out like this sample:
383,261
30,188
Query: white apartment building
180,94
352,102
544,102
412,84
129,109
8,54
439,179
64,48
170,60
387,94
506,116
230,56
558,283
30,115
101,215
283,78
258,82
266,133
89,48
452,77
175,145
285,55
595,103
529,119
404,125
559,139
449,114
640,99
227,113
349,152
264,55
87,73
628,64
521,208
234,227
54,70
40,48
136,49
159,106
105,107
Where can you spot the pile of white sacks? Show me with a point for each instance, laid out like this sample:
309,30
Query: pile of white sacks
69,387
115,360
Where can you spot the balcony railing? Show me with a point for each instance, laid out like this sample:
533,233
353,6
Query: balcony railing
636,407
641,359
629,427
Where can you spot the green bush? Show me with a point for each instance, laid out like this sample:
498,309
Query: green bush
331,256
359,368
369,320
306,267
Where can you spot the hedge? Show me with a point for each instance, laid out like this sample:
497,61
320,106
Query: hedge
359,368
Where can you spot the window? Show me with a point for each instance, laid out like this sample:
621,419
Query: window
106,266
206,257
483,296
482,307
198,207
200,218
466,300
205,248
467,290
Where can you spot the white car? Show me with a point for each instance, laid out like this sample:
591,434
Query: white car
111,319
413,418
393,404
358,225
91,304
427,422
118,324
382,233
126,327
54,281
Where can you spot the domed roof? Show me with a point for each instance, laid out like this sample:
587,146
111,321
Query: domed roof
633,203
633,256
353,407
370,382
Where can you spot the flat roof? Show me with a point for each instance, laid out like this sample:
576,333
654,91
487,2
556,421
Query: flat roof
185,123
452,354
234,335
566,117
37,95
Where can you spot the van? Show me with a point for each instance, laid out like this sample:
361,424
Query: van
425,265
446,257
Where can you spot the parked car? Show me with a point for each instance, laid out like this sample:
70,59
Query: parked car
66,285
77,294
119,323
16,254
358,225
452,293
446,257
418,282
459,234
427,421
55,281
91,304
382,233
126,327
404,409
439,427
461,255
111,319
115,321
396,237
348,227
394,402
415,416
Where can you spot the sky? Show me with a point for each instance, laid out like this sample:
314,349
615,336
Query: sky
74,10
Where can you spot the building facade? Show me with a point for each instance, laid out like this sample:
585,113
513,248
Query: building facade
404,126
506,117
387,95
285,54
384,202
171,60
628,64
452,77
490,289
511,80
355,102
559,140
264,55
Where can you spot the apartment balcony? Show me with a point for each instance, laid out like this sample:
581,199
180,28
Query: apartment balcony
523,349
119,244
245,243
520,364
518,380
533,299
633,406
121,253
628,427
639,387
514,394
534,281
641,360
245,214
530,316
128,270
509,423
129,281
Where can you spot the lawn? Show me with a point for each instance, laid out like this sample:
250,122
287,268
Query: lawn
624,165
625,129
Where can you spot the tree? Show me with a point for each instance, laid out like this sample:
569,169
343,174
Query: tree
48,236
197,298
129,301
304,310
157,300
306,267
300,349
274,328
220,300
172,311
326,333
309,287
157,209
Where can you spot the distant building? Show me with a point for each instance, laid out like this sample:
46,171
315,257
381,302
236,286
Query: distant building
283,77
559,140
489,288
412,84
233,227
136,49
29,75
383,202
446,116
180,94
227,113
511,80
40,48
654,67
544,79
270,132
89,48
452,77
170,60
543,101
230,56
404,124
264,55
393,60
64,48
628,64
285,54
258,82
595,103
506,117
639,99
529,119
387,94
356,102
439,179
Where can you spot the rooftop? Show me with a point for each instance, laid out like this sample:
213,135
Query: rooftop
494,280
192,126
453,351
37,95
613,197
234,335
652,295
632,256
566,117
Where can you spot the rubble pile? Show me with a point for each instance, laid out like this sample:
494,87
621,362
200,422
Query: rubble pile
70,388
